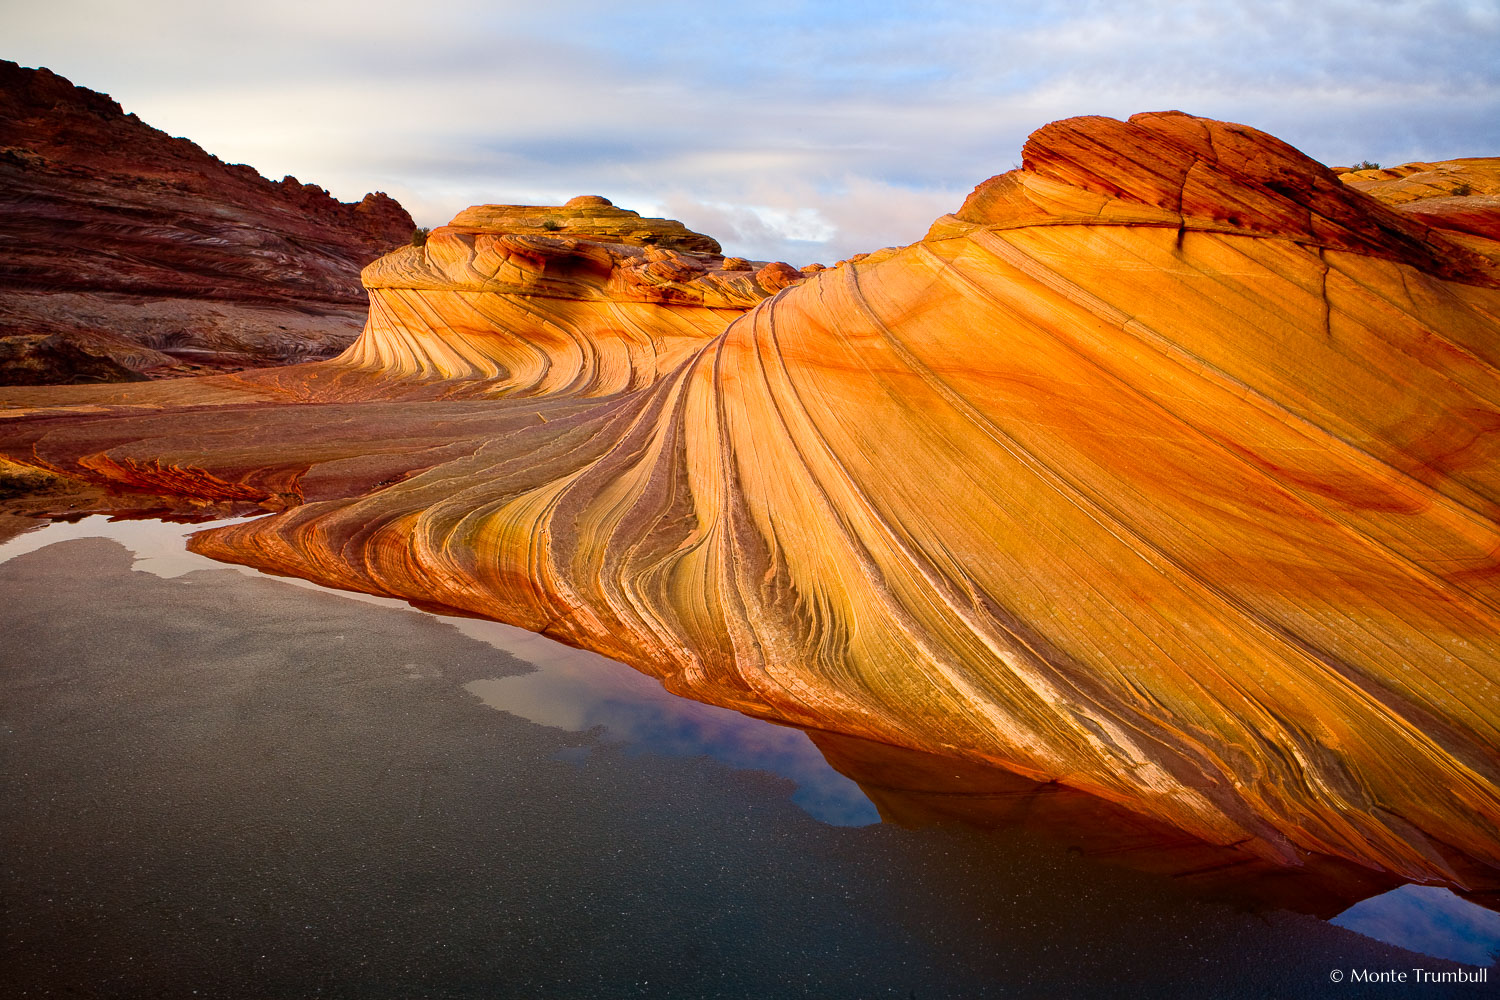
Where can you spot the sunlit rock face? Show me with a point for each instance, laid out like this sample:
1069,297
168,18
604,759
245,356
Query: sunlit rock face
576,299
143,252
591,217
1461,197
1164,469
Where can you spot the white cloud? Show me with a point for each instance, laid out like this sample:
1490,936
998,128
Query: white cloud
808,130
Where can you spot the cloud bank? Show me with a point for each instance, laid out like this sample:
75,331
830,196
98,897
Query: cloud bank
788,130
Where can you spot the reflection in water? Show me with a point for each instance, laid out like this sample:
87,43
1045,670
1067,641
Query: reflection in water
1428,919
916,790
160,547
582,692
571,689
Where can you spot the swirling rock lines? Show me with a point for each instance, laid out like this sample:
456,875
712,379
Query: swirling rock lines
1164,470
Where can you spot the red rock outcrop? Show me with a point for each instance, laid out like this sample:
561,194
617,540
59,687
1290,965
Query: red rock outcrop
119,237
1164,470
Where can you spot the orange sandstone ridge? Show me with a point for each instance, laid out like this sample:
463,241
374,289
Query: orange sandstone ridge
1460,197
1165,470
589,216
582,299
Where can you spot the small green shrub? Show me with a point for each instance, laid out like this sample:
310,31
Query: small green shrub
551,225
419,236
1366,165
1463,190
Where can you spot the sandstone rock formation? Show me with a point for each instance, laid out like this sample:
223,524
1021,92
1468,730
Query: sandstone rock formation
56,359
1164,470
576,299
590,216
124,242
1461,197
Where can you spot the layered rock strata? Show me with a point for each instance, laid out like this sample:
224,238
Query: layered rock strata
1164,470
127,243
576,299
1460,197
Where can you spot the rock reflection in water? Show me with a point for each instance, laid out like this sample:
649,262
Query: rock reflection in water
1428,919
203,768
580,691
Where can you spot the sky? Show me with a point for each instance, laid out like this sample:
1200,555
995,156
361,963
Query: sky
797,131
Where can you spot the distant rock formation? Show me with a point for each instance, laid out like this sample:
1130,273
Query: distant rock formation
1460,197
1166,469
126,243
57,359
591,217
582,298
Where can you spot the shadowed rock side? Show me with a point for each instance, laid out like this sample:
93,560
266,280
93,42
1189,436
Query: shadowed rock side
124,243
1164,470
915,790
